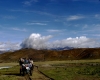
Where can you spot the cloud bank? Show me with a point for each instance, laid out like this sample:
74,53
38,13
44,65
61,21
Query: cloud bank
75,17
9,46
36,41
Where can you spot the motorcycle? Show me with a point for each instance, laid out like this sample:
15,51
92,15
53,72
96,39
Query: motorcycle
26,69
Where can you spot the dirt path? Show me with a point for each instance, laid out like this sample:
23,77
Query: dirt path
35,76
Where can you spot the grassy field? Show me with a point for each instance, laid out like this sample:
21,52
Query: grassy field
72,70
9,73
58,70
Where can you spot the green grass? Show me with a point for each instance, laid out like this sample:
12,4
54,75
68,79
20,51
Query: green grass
8,64
14,70
8,78
59,70
73,71
9,73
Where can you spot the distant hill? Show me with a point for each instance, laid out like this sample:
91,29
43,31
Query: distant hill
60,48
44,55
2,52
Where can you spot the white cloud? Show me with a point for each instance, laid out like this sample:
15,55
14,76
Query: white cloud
75,17
9,46
98,35
52,30
97,16
8,17
76,0
87,0
35,11
29,2
36,23
17,29
37,41
85,26
78,42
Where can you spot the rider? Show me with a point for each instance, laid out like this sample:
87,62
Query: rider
31,63
21,61
26,61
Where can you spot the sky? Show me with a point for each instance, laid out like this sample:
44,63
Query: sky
44,24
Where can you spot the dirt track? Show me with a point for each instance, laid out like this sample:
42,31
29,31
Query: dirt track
35,76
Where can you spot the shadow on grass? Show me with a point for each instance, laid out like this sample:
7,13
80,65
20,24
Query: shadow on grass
16,74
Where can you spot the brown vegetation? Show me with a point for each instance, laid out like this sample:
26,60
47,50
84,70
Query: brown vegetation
43,55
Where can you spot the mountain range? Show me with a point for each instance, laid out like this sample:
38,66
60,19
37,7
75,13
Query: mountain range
45,55
62,48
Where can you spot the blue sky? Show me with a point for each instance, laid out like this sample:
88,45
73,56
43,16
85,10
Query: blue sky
75,21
